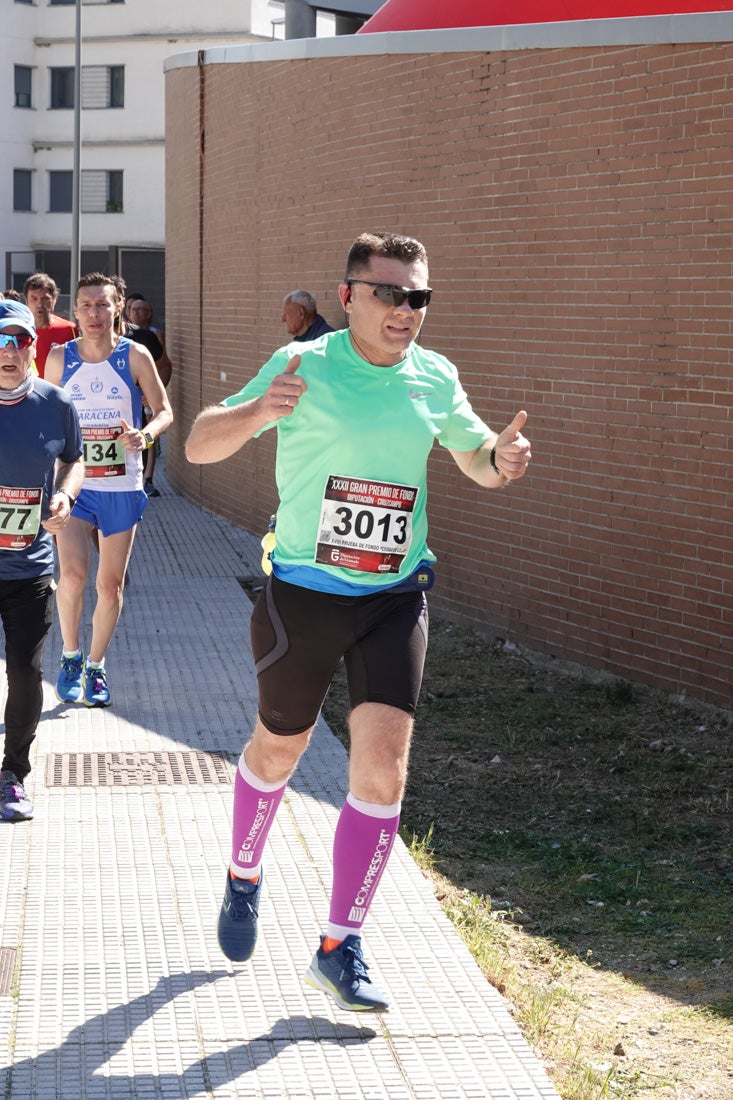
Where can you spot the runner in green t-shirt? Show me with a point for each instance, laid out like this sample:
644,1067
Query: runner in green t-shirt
356,412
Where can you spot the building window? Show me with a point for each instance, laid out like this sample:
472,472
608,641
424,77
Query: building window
62,88
23,85
60,188
101,192
22,178
102,86
58,3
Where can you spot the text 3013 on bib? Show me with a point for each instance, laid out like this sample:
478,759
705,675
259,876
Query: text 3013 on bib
365,525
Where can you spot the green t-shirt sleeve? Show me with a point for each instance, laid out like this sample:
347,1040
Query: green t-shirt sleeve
258,385
464,430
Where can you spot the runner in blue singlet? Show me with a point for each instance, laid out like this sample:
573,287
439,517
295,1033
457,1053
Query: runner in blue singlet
106,376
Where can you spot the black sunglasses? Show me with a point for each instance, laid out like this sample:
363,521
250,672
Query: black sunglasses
397,295
21,340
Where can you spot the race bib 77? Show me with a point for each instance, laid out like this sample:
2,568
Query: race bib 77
20,517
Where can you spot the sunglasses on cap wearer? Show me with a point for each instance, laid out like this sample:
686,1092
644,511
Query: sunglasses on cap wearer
21,340
397,295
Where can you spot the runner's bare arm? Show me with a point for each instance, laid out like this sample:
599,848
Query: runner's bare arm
143,369
54,366
218,432
164,366
70,476
69,480
511,452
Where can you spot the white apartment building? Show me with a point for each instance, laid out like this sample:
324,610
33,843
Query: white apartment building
123,46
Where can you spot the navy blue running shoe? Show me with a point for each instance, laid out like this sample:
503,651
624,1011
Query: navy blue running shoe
343,973
237,930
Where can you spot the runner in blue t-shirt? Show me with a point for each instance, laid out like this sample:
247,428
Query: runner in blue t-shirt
41,472
356,413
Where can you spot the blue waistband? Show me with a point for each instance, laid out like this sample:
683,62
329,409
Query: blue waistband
308,576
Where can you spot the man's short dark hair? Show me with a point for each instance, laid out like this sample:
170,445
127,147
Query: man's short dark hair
391,245
120,284
41,281
96,278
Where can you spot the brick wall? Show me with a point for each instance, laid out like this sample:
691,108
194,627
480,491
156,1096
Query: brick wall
577,209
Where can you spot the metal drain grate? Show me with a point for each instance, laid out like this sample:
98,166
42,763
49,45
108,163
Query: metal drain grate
138,769
8,956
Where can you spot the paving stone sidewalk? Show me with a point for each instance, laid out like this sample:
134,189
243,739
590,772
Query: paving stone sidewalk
112,985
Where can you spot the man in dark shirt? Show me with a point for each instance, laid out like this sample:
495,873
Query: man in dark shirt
140,329
301,317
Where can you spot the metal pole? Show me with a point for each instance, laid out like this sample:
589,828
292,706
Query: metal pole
76,174
300,19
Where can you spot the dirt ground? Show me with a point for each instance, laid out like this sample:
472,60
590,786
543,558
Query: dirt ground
593,818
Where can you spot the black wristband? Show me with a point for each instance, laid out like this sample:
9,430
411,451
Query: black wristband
492,460
72,500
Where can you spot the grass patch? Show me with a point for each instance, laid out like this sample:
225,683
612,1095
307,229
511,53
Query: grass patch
578,833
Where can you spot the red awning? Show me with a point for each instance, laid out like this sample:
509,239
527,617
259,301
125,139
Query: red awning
413,15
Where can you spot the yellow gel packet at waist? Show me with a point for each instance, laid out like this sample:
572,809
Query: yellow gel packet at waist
268,545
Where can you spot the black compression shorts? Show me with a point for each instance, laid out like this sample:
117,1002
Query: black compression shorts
299,636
